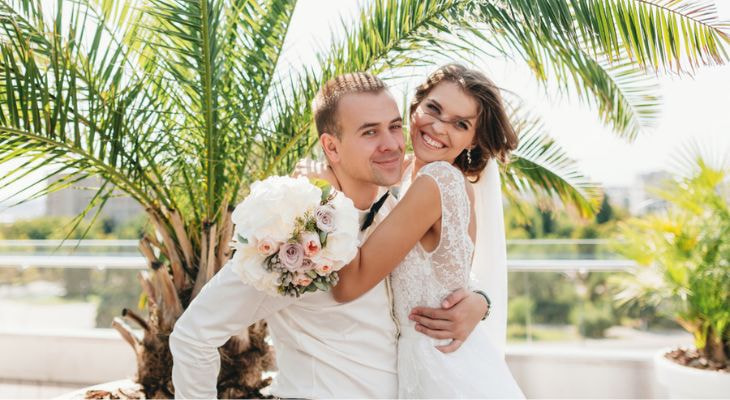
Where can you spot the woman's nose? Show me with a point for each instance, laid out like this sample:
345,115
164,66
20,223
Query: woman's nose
439,127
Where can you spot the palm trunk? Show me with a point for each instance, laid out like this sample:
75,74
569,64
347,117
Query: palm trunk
169,287
715,349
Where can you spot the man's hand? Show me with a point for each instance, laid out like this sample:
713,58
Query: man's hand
459,314
310,168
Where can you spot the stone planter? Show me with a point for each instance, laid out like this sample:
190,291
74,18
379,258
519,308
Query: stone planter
686,382
121,389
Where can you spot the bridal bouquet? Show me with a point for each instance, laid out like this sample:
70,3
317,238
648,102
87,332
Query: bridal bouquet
292,236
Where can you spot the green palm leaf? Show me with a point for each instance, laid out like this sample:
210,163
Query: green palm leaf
539,167
653,33
390,35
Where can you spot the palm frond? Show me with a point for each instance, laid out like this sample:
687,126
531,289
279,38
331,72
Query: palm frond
667,34
657,33
541,168
625,95
255,38
390,34
53,98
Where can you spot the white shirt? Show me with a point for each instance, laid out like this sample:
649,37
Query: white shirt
324,349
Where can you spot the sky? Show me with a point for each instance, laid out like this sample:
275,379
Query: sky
694,108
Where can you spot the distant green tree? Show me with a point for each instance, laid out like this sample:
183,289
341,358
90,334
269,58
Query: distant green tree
605,213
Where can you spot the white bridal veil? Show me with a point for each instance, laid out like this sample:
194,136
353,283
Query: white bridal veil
489,266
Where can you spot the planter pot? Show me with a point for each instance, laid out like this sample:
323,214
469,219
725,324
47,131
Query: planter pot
126,387
686,382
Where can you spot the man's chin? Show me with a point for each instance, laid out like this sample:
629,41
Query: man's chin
387,179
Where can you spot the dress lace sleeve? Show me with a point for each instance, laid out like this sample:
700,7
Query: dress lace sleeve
452,256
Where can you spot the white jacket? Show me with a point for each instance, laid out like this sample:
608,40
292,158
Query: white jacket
324,349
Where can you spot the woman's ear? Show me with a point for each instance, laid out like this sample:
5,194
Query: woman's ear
331,147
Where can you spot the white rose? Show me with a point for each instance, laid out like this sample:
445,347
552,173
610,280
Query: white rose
269,283
272,207
341,249
248,264
342,243
345,215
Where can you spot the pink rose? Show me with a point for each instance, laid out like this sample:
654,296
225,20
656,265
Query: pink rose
325,218
307,265
323,270
267,246
310,242
302,280
291,256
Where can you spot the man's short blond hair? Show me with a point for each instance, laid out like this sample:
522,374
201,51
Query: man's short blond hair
328,98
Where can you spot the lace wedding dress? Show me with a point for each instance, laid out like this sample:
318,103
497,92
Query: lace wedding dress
477,368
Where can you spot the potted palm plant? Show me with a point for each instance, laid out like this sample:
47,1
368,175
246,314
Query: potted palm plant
684,271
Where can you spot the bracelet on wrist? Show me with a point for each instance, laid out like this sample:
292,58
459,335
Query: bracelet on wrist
489,303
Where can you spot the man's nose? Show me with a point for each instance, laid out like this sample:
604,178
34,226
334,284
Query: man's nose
391,142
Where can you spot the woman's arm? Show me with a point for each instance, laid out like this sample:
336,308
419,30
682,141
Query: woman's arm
391,241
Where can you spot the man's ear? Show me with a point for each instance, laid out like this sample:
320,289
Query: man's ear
331,147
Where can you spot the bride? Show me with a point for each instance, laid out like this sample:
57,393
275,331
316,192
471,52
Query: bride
458,126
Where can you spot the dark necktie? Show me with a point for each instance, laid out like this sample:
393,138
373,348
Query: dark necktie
370,217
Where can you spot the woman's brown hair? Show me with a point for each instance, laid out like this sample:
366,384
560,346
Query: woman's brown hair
494,136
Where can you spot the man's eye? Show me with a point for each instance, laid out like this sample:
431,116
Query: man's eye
369,133
396,126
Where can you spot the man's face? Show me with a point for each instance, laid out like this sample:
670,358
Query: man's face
370,148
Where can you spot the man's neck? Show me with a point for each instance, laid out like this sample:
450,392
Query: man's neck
363,194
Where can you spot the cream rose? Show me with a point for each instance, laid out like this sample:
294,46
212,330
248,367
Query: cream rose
302,280
323,269
267,246
310,243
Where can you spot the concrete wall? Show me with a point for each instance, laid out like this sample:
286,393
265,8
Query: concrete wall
83,357
572,371
543,371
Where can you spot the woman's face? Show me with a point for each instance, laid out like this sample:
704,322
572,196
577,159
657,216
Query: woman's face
444,123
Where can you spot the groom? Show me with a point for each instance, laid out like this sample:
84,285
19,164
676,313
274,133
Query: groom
325,349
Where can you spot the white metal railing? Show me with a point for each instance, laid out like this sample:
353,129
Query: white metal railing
73,262
128,261
137,262
550,242
69,243
134,243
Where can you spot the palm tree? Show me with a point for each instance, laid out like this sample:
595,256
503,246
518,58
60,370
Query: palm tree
180,105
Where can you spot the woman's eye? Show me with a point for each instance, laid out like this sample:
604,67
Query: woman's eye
462,125
432,107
